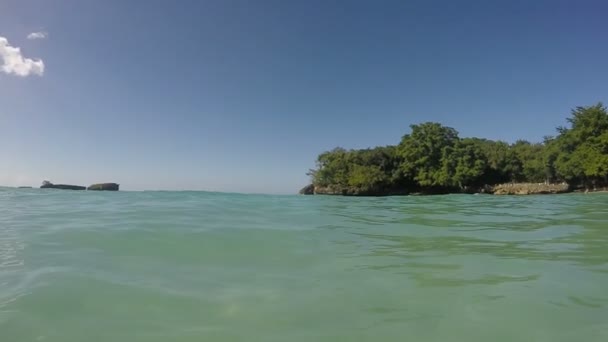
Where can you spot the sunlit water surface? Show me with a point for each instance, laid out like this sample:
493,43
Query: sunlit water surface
198,266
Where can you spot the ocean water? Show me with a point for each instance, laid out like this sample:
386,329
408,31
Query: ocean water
198,266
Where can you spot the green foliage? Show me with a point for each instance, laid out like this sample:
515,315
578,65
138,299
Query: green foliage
464,164
332,168
532,161
501,163
365,169
422,152
580,153
366,176
432,156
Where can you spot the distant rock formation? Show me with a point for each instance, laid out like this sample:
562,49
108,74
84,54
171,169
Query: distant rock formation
24,187
104,187
49,185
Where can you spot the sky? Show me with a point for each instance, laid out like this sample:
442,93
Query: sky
241,96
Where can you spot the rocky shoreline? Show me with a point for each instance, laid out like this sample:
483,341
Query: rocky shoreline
500,189
531,189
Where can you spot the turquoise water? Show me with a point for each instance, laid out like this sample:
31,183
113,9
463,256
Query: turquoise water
196,266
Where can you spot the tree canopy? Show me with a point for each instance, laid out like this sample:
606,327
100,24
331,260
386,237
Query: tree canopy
433,157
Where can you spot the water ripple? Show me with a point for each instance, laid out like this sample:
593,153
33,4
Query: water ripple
190,266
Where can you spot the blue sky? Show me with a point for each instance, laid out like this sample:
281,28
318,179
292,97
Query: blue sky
243,95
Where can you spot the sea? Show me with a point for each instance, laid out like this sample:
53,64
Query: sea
85,266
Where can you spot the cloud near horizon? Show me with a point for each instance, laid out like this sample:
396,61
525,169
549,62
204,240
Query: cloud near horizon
12,62
37,35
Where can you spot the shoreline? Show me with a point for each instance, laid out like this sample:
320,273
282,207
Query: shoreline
508,189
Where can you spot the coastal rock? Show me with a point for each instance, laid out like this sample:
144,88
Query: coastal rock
308,190
530,189
49,185
104,187
336,190
358,191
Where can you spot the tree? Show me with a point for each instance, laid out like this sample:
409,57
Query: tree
580,153
501,163
422,151
463,164
433,157
332,168
531,158
365,169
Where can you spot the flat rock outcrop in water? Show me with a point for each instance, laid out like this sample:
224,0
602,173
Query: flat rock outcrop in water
49,185
104,187
530,189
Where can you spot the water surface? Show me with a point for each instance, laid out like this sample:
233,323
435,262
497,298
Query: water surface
198,266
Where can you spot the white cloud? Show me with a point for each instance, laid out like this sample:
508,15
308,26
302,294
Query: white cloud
12,62
37,35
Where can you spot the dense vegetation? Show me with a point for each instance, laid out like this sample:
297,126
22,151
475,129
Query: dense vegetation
433,158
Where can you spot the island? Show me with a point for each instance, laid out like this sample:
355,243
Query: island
104,187
94,187
433,159
49,185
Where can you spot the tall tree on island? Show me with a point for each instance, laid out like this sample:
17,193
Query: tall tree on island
422,152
